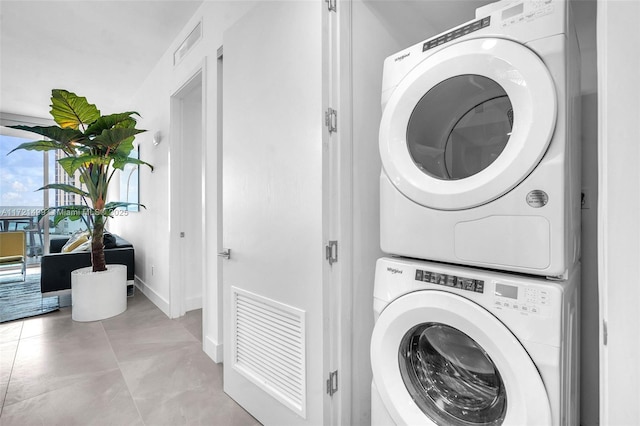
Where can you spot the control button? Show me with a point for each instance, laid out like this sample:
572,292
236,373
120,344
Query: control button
426,276
418,275
498,303
459,283
469,284
515,306
434,278
534,310
525,308
506,305
442,279
479,286
451,281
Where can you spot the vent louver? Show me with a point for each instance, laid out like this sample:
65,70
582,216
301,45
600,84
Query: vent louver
269,347
194,36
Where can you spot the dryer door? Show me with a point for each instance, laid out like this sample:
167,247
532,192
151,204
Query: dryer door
468,123
440,359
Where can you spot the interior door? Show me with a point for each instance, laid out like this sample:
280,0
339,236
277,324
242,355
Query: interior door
272,213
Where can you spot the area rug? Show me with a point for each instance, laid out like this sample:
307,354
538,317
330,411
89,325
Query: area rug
22,299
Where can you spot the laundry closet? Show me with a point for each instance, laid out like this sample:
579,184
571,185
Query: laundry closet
380,29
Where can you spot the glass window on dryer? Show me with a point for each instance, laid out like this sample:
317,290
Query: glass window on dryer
459,127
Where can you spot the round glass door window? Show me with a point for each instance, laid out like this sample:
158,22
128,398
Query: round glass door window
450,377
459,127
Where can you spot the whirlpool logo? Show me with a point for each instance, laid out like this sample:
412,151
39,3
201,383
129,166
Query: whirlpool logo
394,270
399,58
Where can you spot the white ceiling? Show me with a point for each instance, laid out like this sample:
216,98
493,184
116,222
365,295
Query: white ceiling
99,49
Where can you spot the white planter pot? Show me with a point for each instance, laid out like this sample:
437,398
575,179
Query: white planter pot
98,295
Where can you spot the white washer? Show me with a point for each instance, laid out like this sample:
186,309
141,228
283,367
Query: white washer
462,346
479,141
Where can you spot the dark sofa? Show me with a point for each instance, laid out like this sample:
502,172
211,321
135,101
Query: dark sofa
56,267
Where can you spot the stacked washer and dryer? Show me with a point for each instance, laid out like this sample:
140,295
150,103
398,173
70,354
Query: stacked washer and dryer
476,310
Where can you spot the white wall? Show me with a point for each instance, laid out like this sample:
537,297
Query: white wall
619,207
149,230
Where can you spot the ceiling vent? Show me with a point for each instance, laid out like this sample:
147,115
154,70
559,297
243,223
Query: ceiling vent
187,44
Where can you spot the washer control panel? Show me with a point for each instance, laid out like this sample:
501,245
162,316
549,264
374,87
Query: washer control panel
521,298
457,33
463,283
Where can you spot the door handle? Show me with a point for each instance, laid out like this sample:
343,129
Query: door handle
226,253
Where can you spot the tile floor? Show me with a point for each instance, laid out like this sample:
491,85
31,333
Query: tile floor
139,368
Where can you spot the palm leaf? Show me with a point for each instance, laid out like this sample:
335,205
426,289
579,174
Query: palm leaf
112,138
66,188
117,204
60,138
38,146
71,111
120,162
71,164
123,119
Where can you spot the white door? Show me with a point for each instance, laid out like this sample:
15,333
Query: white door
468,123
273,213
438,358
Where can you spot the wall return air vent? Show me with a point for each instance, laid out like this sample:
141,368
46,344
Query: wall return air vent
187,44
269,347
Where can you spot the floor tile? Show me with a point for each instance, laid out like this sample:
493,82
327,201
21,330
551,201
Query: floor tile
7,356
10,331
100,399
192,321
140,313
181,386
48,361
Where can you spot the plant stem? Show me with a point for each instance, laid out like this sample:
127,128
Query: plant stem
97,245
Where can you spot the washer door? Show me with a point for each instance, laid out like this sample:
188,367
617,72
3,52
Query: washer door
468,123
440,359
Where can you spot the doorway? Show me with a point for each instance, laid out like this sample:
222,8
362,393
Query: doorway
186,162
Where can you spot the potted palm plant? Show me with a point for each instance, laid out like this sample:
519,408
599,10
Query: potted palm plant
94,146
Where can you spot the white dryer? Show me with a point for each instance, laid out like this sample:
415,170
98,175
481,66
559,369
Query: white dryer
479,142
456,346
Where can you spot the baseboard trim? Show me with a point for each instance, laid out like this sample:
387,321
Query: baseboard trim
213,349
152,295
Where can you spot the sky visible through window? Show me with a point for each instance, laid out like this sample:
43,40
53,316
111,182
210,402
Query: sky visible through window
21,174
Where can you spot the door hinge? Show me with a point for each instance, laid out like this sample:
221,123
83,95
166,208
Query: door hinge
332,383
332,5
331,252
331,120
605,333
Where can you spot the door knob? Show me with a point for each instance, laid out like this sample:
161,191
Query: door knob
226,253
